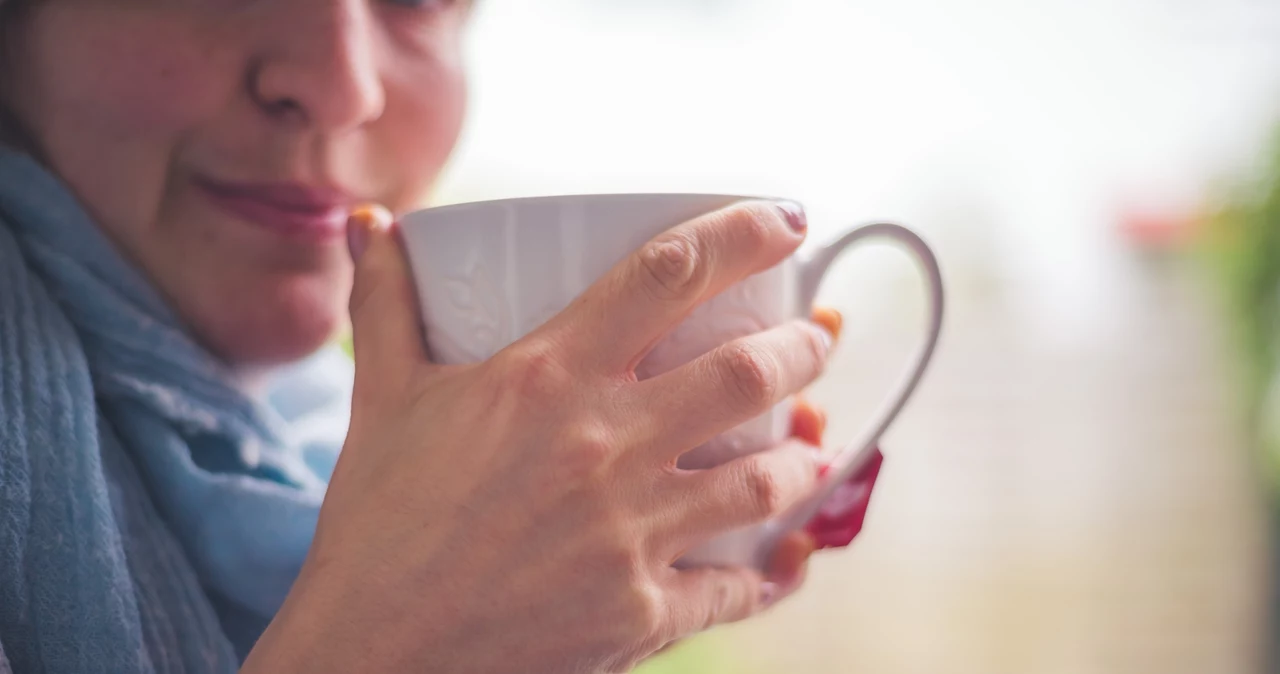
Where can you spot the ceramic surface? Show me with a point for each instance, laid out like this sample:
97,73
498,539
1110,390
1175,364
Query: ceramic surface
488,273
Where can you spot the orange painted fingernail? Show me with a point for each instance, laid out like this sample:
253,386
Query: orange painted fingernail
830,319
361,222
373,216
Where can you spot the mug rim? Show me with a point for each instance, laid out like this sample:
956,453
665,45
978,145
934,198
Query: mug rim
587,196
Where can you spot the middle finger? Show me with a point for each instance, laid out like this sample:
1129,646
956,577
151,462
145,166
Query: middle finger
730,385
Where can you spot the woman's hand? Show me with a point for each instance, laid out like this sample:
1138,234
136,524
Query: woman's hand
841,518
788,565
522,514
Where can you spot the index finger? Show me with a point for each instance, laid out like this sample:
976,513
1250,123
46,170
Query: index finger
618,319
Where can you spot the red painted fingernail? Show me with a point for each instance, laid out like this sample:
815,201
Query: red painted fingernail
795,215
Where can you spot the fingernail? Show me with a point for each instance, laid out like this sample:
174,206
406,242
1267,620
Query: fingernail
824,335
769,593
361,223
795,215
830,319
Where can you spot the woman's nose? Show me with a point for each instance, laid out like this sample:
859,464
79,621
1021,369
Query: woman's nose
321,68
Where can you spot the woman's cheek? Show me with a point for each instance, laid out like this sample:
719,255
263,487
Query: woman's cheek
420,129
98,71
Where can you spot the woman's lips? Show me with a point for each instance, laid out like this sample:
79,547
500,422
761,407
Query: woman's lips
295,210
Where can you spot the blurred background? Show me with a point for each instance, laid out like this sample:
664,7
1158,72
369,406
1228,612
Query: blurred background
1082,485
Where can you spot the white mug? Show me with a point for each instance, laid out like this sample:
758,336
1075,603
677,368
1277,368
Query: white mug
488,273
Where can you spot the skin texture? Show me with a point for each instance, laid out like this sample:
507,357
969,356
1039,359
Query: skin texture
551,543
135,102
548,546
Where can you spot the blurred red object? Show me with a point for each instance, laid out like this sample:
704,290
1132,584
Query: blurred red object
1158,230
841,517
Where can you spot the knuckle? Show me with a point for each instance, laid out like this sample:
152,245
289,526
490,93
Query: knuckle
586,455
672,267
754,225
763,488
752,376
534,372
635,604
643,612
618,553
721,603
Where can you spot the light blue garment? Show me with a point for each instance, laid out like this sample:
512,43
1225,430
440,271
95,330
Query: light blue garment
152,515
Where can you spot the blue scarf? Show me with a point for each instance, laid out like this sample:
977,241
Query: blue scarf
152,515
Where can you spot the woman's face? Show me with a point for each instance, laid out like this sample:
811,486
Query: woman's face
220,142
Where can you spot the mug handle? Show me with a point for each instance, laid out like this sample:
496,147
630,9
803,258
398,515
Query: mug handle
859,454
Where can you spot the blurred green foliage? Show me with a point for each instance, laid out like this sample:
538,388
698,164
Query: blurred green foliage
696,656
1243,240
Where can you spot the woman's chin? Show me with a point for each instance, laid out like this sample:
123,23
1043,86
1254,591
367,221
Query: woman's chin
275,326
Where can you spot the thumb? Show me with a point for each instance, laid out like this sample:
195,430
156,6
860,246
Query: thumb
385,331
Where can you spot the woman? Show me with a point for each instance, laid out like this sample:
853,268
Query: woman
175,254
